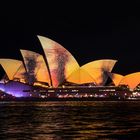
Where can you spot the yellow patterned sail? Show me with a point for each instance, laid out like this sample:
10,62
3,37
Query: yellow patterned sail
116,78
36,67
13,68
132,80
99,68
60,61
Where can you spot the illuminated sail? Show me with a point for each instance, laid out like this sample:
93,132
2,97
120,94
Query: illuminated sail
99,68
13,68
80,76
60,61
36,67
132,80
116,78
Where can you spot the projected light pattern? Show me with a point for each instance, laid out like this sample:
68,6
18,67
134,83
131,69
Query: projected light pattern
99,68
60,62
36,67
58,67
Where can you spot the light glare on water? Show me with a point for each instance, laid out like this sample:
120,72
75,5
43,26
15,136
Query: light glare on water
76,120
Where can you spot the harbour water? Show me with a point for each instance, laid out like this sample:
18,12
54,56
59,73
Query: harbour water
70,120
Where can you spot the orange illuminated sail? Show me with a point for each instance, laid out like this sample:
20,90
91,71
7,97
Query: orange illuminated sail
60,61
132,80
99,68
36,67
80,76
116,78
13,68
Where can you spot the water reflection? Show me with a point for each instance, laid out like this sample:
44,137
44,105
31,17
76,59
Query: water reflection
69,120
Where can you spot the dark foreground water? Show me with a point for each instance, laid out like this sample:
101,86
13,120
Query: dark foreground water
72,120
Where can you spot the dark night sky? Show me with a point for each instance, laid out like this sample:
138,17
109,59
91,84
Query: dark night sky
89,34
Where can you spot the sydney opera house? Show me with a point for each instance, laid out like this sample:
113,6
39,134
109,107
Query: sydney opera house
56,73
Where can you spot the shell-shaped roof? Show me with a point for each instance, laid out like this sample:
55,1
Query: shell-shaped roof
105,64
80,76
132,80
116,78
36,66
98,69
60,61
13,68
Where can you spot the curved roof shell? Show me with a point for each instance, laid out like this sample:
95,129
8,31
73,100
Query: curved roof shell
60,61
35,66
132,80
99,68
80,76
13,68
116,78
